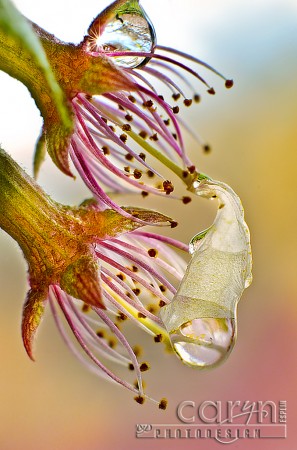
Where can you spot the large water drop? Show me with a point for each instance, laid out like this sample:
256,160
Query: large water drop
204,343
201,318
124,28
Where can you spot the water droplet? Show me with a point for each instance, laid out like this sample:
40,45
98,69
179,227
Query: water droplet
196,240
201,318
123,28
204,342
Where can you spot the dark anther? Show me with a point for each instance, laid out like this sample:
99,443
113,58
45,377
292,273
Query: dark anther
158,338
186,200
168,187
188,101
143,134
154,137
163,404
176,96
139,399
211,91
144,367
137,174
152,252
229,84
126,127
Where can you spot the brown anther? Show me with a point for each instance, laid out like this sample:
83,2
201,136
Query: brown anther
131,367
152,253
176,96
162,303
144,194
167,122
129,157
128,117
123,137
128,294
168,187
229,84
188,101
121,108
154,137
186,200
105,150
206,148
211,91
197,98
121,276
134,269
161,97
88,96
175,109
173,224
185,173
126,127
141,316
85,308
192,169
143,134
150,174
122,316
144,367
100,333
174,136
112,128
132,99
137,174
104,119
142,156
139,399
162,288
127,169
148,104
163,404
136,291
158,338
112,343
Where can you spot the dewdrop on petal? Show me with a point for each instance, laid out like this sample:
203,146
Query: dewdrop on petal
123,26
201,319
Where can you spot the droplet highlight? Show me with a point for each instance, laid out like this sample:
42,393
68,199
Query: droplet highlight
123,28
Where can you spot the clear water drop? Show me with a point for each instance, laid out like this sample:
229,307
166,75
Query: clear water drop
204,342
126,28
196,240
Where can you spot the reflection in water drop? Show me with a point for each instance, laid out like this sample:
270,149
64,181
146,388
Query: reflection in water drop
204,343
127,28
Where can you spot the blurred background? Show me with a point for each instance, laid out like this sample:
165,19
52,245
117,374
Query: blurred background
55,403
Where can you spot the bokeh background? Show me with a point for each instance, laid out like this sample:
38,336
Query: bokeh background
55,403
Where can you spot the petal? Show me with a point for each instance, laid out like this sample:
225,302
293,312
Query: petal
32,314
